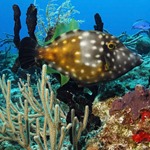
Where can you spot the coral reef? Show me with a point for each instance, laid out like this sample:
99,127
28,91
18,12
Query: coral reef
40,118
137,100
126,121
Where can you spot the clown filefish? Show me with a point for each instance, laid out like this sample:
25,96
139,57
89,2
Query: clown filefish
86,56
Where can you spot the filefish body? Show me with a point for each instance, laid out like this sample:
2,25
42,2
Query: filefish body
88,56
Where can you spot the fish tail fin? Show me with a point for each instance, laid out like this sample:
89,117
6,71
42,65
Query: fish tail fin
27,52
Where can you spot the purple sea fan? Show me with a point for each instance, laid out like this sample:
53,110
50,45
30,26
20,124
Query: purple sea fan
141,24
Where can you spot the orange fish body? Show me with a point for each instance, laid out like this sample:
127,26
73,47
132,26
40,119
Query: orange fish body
88,56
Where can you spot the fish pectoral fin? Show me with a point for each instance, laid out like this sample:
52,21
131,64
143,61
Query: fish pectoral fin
63,78
106,64
107,67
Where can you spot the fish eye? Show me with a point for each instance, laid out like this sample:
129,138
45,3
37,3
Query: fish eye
111,45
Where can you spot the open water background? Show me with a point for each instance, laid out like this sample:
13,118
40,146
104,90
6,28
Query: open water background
118,15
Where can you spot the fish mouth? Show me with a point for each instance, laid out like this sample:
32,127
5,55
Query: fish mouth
138,59
132,58
123,61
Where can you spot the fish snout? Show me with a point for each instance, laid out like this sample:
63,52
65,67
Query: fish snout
137,59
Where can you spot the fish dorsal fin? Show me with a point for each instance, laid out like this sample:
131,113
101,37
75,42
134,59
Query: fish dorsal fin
63,28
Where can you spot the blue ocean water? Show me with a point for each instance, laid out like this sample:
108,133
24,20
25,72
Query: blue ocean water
118,15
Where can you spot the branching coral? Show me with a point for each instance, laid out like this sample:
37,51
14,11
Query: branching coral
37,118
21,122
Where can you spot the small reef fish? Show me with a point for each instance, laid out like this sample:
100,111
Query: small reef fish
86,56
141,24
